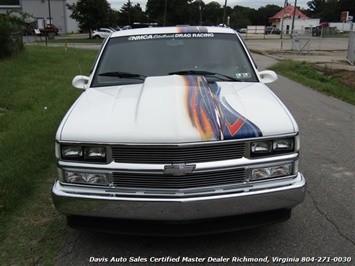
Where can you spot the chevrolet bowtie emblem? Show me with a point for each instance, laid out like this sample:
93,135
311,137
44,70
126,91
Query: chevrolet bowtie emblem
179,169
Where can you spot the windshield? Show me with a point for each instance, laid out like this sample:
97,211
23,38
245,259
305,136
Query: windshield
130,59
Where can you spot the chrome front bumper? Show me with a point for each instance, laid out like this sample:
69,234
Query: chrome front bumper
258,198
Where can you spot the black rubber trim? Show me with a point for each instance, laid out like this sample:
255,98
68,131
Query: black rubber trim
174,228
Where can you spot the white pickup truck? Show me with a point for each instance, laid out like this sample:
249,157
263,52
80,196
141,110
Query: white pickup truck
176,133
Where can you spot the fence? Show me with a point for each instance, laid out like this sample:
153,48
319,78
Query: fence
351,49
301,41
307,40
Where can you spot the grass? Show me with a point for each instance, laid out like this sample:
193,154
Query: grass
322,81
35,93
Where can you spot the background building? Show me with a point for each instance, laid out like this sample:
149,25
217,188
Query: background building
39,9
284,19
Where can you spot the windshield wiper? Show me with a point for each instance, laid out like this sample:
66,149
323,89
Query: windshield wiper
203,73
123,75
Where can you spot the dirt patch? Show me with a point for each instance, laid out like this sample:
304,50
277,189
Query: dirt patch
327,59
331,63
346,76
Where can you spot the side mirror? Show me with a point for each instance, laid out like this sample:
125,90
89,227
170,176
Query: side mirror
80,82
267,76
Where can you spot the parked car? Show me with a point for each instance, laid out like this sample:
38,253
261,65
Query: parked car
242,30
173,136
272,30
128,27
48,29
102,33
313,31
324,24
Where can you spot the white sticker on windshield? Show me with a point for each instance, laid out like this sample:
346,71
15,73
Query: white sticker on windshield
243,75
170,36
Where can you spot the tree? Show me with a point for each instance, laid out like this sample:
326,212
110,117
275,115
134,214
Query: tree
240,18
13,24
168,12
328,13
196,13
92,14
131,13
213,13
264,13
346,5
330,10
316,6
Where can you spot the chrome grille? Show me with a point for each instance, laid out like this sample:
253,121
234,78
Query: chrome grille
169,154
195,180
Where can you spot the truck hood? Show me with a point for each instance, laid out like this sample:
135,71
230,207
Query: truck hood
175,109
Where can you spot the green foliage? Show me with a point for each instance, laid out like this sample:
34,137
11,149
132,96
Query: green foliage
92,14
131,13
168,13
262,15
330,10
305,74
174,12
212,14
12,26
241,17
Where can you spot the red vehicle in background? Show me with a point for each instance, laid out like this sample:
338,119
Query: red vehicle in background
49,29
324,24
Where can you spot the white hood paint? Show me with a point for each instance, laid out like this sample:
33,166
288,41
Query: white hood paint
156,112
256,102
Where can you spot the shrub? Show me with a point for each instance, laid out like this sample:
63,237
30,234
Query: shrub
12,26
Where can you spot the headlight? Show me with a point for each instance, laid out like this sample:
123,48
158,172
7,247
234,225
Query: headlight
271,172
270,147
84,153
283,145
72,152
95,153
261,147
85,178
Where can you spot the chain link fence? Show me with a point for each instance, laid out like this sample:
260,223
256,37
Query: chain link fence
307,40
351,49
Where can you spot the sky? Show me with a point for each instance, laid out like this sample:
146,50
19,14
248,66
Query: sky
117,4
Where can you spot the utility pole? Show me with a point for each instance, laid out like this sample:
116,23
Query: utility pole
283,17
50,22
200,12
166,4
293,19
129,12
50,13
224,13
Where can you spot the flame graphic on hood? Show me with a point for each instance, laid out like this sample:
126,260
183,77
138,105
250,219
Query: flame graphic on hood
214,118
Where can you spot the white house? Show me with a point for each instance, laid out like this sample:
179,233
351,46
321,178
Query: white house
284,19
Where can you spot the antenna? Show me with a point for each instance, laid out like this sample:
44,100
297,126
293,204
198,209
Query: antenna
77,59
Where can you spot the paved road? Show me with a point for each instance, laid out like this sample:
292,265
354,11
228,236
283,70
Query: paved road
277,44
328,52
322,226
